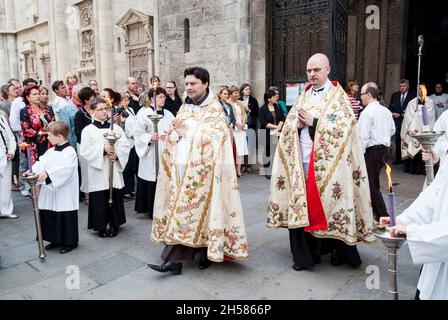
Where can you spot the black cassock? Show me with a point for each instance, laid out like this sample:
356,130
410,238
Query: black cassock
101,214
306,249
60,227
146,192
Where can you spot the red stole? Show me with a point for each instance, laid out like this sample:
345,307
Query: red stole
316,214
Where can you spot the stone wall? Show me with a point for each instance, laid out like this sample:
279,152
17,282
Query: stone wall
222,40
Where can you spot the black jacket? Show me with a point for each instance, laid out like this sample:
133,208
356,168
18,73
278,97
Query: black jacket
82,120
395,105
173,105
266,116
254,112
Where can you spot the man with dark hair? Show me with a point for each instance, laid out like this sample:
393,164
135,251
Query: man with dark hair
398,104
83,118
376,127
60,101
203,211
14,119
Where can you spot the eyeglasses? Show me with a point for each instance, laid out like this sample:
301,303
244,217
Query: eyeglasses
170,87
363,93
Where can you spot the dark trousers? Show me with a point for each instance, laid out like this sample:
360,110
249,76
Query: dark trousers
130,172
375,159
305,248
398,124
179,253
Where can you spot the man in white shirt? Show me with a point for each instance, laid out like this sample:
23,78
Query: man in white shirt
376,127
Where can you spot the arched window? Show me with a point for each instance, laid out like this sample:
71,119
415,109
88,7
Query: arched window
186,35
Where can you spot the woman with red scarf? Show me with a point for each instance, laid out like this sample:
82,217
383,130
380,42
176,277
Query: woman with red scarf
35,119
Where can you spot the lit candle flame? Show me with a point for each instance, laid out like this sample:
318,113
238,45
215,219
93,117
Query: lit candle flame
389,176
424,92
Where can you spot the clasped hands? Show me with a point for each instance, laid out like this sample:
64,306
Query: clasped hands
305,119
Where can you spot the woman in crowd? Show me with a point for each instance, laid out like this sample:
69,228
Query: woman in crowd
240,128
35,119
353,92
252,110
271,119
173,100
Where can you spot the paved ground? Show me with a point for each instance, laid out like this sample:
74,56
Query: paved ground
116,268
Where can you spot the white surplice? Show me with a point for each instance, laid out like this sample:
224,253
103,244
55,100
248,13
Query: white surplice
62,192
143,130
7,146
441,146
92,150
427,235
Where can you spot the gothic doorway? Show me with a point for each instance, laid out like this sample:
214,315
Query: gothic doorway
429,18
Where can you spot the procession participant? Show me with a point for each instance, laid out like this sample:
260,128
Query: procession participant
57,172
197,201
7,150
145,142
440,100
97,152
324,202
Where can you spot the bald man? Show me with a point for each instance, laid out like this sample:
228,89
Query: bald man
132,93
319,187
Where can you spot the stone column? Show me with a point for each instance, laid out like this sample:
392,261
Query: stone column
104,54
10,64
156,60
58,39
244,43
258,44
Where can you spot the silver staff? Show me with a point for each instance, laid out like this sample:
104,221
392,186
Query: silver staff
392,245
427,138
155,118
111,138
32,180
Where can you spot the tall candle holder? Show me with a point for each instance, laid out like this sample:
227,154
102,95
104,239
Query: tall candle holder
111,137
155,118
392,245
32,180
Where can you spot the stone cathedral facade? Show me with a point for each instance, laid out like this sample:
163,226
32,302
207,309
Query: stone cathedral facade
262,42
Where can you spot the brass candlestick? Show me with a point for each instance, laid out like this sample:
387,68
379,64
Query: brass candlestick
392,245
32,180
111,138
155,118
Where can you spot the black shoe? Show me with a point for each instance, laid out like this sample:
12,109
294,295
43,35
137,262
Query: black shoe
204,263
268,177
297,268
67,249
102,234
336,260
175,268
51,246
113,232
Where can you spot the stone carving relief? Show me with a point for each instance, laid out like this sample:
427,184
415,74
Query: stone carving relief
87,42
137,32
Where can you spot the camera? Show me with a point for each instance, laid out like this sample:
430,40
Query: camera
120,111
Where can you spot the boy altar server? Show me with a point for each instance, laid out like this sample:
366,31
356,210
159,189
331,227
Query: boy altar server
57,172
98,153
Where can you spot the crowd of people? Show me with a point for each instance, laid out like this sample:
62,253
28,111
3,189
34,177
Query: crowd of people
66,145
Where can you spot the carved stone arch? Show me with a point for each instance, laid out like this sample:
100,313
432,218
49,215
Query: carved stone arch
138,35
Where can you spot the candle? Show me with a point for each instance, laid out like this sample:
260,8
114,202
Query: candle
392,208
391,196
28,153
425,116
154,95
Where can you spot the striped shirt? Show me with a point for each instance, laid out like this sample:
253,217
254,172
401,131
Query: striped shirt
356,106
